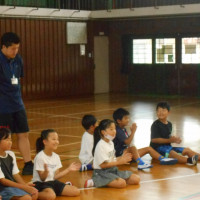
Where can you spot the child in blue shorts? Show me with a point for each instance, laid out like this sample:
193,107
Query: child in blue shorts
12,186
123,142
161,138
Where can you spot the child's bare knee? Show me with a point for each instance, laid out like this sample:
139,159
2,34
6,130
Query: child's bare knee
50,195
121,183
133,180
34,196
136,179
74,191
25,197
186,150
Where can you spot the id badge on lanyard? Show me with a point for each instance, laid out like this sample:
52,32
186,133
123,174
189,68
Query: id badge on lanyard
14,80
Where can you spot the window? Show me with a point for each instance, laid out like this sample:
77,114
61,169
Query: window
190,50
165,50
142,51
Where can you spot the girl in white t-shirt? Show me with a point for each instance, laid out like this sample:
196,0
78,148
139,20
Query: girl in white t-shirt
105,171
46,169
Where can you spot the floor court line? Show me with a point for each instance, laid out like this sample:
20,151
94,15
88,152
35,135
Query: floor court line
179,106
69,104
53,115
85,112
35,130
157,180
17,152
130,106
69,115
62,145
192,196
36,133
33,154
28,109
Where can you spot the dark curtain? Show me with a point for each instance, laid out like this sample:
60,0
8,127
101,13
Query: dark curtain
127,44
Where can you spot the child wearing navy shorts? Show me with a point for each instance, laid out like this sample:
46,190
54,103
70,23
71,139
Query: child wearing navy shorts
161,138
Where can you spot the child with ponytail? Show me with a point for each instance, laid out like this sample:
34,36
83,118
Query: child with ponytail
105,163
46,168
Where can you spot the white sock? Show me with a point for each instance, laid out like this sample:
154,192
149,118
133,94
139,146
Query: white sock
89,183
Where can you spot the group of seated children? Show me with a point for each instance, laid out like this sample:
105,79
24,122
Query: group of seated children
45,185
103,148
108,145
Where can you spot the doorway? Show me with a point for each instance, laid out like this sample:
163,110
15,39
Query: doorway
101,61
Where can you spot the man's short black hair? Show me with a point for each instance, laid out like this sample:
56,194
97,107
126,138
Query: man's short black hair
163,104
88,120
119,114
9,38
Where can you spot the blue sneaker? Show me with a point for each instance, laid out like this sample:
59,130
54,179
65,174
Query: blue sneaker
85,167
144,166
168,161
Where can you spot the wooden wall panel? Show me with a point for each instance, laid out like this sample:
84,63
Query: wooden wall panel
52,67
56,69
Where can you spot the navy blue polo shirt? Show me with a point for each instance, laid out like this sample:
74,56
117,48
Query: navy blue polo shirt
121,136
10,95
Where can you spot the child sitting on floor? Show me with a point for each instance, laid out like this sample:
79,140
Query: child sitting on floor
161,138
105,163
46,168
89,123
123,140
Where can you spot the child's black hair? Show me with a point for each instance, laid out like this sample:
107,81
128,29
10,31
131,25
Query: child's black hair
44,136
88,120
119,114
4,133
103,125
9,38
163,104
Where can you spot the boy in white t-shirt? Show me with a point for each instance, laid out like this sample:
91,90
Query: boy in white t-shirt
89,123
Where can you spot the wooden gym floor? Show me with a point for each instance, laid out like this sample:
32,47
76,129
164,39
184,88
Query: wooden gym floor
176,182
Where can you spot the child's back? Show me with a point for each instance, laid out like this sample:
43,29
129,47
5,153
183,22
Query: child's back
87,142
89,123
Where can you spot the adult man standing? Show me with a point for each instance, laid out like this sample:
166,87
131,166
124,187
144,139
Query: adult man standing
12,110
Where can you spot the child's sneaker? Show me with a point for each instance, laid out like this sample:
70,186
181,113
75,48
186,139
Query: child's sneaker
195,159
88,183
69,183
132,161
168,161
144,166
85,167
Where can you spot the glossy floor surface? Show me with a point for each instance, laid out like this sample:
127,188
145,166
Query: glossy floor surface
179,181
